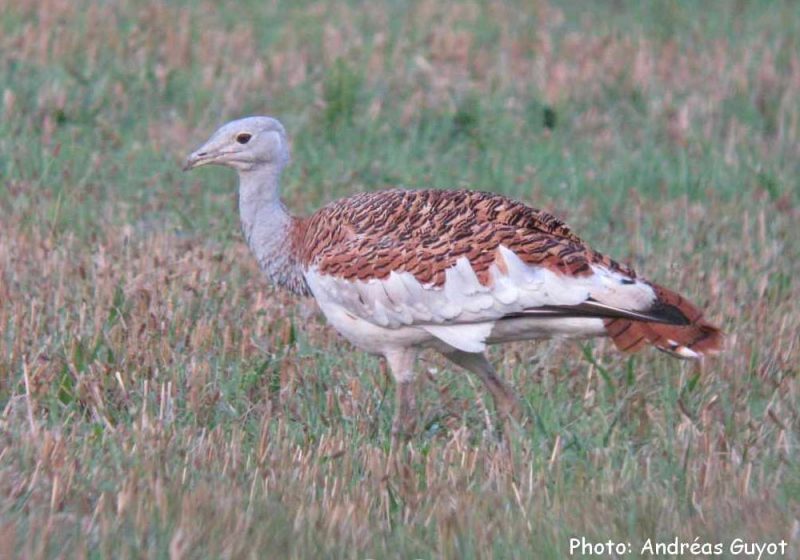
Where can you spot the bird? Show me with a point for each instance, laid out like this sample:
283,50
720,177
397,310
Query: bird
399,271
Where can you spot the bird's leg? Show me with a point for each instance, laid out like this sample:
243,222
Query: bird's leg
505,401
405,415
401,364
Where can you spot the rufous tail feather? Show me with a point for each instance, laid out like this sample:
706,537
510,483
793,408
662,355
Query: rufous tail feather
695,339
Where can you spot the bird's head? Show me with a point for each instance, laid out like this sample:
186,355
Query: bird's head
244,144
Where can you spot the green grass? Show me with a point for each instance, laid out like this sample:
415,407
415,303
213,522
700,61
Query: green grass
160,400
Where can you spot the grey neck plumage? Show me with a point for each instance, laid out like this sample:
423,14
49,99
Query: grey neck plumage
267,227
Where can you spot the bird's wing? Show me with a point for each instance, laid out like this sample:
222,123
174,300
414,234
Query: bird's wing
463,312
456,262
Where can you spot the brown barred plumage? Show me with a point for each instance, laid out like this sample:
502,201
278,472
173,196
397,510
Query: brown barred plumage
698,335
424,232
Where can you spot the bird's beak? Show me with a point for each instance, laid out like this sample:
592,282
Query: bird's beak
196,159
210,152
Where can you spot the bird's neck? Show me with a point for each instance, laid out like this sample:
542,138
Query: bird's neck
267,226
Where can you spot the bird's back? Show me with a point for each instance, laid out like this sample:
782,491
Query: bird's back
424,232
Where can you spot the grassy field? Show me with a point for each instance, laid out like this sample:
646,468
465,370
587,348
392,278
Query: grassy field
159,400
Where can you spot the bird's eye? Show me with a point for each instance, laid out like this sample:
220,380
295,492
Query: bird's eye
243,137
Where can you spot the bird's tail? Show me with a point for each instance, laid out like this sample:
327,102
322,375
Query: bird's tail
694,338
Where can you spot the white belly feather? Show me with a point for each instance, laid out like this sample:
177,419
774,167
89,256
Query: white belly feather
399,311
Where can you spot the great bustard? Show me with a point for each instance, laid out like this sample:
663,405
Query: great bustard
397,271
